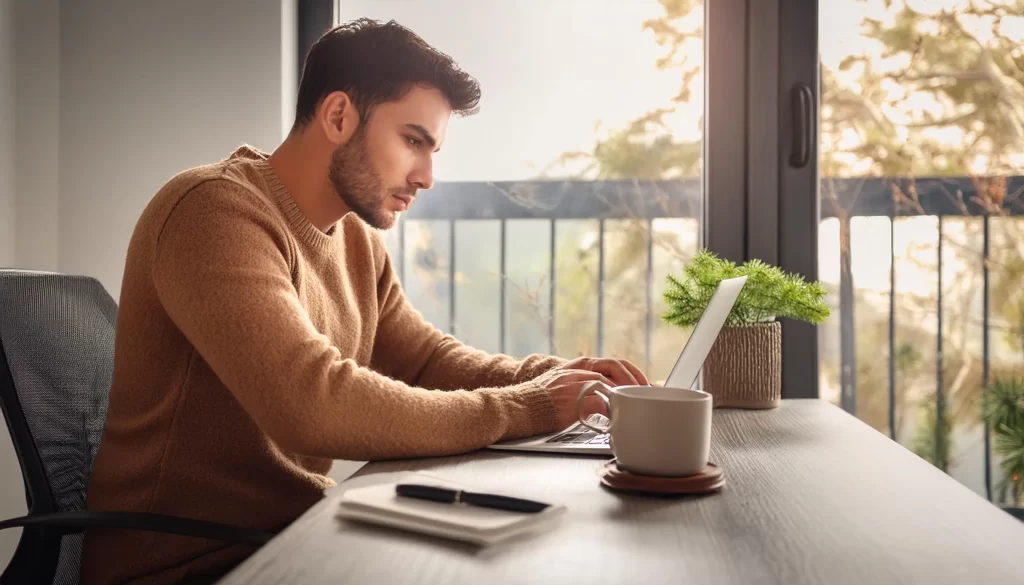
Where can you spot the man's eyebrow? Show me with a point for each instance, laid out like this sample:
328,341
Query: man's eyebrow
425,135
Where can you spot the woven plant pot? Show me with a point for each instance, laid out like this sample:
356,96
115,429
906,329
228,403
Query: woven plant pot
744,368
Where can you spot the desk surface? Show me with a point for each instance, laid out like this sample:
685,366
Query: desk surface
812,495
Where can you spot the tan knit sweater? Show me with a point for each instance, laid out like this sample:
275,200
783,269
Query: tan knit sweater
252,349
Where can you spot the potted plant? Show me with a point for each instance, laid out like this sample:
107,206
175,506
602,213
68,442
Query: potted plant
744,368
1004,413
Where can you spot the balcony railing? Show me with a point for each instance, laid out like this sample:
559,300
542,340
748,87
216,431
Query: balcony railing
647,201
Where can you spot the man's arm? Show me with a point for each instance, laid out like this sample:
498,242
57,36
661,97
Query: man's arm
409,348
221,271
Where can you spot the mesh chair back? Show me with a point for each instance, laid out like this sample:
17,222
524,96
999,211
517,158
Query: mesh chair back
57,334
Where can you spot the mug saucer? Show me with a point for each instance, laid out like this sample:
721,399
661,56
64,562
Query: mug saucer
710,479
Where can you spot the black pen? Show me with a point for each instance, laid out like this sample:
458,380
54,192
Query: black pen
450,496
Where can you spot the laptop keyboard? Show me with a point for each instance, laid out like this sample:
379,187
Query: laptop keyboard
585,437
581,435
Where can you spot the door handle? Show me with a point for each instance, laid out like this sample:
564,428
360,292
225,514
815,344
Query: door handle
801,103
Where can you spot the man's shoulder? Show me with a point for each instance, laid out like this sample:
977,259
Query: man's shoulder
239,173
212,183
236,179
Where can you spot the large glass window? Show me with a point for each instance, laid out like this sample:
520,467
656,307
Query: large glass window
560,208
922,137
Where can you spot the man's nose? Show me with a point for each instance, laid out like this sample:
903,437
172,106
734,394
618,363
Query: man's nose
423,178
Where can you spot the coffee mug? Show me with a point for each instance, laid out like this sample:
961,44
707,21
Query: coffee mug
654,431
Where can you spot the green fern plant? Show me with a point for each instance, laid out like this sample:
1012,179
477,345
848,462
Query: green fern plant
768,294
1004,412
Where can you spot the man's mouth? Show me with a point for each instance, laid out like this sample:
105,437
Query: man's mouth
404,199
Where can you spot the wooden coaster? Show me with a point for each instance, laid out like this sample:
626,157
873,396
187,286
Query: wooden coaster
711,479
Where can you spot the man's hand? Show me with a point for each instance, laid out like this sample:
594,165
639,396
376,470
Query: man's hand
564,386
620,372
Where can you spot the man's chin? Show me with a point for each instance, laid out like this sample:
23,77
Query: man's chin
384,222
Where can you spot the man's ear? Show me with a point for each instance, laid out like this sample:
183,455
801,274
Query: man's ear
338,118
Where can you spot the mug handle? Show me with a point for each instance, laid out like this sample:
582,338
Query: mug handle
603,395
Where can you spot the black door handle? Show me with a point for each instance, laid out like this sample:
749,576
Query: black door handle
801,101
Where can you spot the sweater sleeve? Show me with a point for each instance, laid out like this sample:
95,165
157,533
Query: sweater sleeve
409,348
222,273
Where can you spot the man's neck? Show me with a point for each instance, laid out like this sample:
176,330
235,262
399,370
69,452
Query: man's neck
305,174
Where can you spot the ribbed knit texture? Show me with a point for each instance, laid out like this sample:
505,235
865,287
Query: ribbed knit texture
252,349
744,367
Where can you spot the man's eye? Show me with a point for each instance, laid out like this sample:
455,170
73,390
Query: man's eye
414,142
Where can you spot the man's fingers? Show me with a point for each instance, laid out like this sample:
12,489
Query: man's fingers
584,376
641,379
593,405
621,372
618,372
573,364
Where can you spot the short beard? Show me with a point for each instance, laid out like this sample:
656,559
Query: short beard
359,186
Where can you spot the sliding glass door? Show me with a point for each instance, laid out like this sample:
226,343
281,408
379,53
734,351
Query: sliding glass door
920,236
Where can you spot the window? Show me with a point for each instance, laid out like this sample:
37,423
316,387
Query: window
922,136
561,207
884,160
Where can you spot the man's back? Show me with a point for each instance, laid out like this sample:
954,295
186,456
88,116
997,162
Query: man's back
176,440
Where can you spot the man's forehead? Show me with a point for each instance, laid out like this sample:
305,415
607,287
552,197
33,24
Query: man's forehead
426,108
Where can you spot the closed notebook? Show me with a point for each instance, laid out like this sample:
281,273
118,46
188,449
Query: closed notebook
379,504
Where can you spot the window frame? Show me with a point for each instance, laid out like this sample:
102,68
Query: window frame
755,205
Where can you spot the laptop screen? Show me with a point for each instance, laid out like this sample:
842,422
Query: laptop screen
697,348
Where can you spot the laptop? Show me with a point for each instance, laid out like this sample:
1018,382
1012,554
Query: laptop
579,439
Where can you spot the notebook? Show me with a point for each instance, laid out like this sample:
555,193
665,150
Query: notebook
378,504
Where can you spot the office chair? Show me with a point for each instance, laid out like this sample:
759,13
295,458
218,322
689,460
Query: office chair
56,363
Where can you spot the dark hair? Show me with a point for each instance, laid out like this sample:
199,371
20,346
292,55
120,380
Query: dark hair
375,62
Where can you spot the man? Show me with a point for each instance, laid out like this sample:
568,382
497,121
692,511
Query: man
262,332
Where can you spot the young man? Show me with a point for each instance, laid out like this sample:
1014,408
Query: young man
262,332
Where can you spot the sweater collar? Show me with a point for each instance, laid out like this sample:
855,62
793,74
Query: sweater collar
297,221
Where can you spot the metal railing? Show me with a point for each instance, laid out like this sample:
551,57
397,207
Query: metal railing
553,201
650,200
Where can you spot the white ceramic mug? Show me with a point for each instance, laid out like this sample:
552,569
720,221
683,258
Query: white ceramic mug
654,431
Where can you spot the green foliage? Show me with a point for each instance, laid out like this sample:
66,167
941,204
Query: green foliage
1009,444
934,447
769,293
935,74
1004,412
1004,403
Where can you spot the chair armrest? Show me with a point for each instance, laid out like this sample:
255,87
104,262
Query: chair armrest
70,522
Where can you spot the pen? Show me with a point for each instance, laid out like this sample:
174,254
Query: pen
450,496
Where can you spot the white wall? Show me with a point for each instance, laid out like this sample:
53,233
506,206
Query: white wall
37,127
7,200
12,498
149,89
